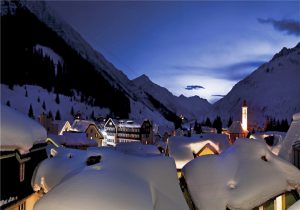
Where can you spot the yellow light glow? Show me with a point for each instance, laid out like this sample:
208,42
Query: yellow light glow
244,118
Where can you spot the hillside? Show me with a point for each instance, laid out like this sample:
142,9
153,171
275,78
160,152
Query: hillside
273,90
190,107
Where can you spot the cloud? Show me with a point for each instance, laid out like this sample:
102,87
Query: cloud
193,87
291,27
235,71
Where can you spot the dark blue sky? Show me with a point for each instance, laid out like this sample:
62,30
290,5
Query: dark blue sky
179,44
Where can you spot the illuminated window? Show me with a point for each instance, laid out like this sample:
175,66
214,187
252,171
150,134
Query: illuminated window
22,172
22,206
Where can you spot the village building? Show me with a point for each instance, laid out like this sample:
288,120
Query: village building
184,149
244,176
56,127
122,131
239,129
22,147
89,128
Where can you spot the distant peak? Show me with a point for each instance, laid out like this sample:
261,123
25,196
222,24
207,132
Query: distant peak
142,78
285,51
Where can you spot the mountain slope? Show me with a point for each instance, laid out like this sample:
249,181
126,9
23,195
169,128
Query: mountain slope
273,90
190,107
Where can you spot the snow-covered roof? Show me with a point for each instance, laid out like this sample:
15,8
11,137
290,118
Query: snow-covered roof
129,124
243,177
137,148
236,127
141,183
73,139
295,206
181,148
19,131
61,124
292,136
81,125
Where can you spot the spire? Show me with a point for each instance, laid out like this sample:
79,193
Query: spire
244,103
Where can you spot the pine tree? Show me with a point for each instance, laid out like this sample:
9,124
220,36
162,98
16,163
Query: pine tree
38,99
26,94
30,112
44,105
50,116
93,115
208,122
57,99
57,115
217,124
72,111
197,128
8,103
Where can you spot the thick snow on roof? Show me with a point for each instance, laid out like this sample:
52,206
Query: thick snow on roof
236,127
292,136
295,206
119,181
243,177
181,148
73,139
81,125
137,148
19,131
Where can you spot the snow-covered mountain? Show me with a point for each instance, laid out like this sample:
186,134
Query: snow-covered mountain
82,68
190,107
273,90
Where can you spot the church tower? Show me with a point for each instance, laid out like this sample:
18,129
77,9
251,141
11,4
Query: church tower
244,116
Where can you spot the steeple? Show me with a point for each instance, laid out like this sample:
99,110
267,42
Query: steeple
244,116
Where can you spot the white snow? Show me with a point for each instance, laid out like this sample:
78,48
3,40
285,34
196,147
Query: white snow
119,181
272,90
137,148
73,139
53,55
81,125
181,148
295,206
243,177
292,136
18,131
21,103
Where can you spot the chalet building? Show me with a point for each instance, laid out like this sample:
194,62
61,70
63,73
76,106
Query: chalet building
56,127
23,147
89,128
128,131
236,131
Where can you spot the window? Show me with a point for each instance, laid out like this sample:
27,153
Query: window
22,172
22,206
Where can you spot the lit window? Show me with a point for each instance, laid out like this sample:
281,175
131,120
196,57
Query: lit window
22,172
22,206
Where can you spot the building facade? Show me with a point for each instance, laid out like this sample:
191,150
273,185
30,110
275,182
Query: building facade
128,131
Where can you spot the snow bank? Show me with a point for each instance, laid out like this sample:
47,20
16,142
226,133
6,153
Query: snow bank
119,181
136,148
292,136
181,148
19,131
243,177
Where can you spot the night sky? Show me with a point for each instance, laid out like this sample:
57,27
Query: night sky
192,48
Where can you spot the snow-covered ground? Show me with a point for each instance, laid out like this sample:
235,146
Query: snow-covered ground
243,177
136,148
18,132
20,102
119,181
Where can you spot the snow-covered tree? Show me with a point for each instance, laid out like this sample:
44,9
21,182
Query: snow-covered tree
30,112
